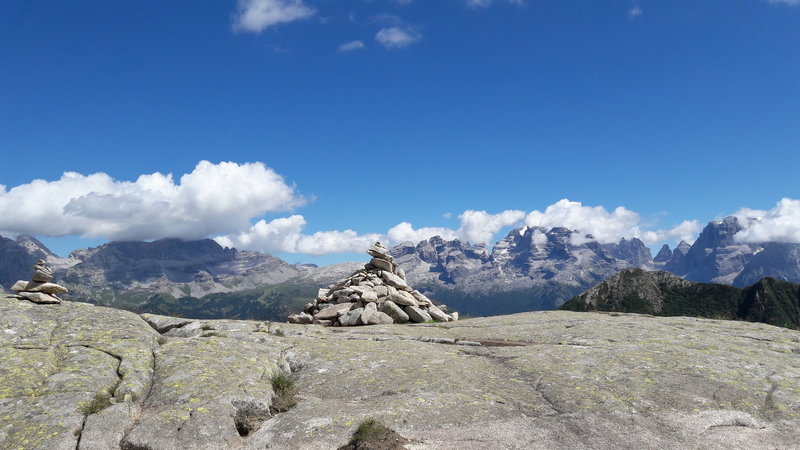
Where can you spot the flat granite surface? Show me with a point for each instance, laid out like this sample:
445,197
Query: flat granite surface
81,376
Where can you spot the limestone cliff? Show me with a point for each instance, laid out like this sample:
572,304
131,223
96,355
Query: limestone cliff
81,376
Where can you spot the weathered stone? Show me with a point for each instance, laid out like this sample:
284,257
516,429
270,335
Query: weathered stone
19,286
421,298
369,310
381,291
382,264
379,318
454,315
379,250
392,279
322,293
41,272
162,324
437,314
324,323
395,312
333,311
369,296
40,297
551,379
352,318
106,428
417,315
302,318
48,288
401,299
400,272
191,329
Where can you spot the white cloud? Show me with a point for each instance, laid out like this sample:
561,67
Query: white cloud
606,227
285,235
404,231
397,37
350,46
258,15
212,199
480,226
779,224
634,12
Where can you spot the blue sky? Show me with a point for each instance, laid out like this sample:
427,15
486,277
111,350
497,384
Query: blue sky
364,115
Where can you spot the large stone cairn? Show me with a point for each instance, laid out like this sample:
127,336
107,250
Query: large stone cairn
39,289
376,294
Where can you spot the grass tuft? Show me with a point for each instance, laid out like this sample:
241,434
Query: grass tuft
101,401
284,393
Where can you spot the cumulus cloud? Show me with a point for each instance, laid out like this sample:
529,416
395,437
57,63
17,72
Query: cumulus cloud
779,224
634,12
480,227
350,46
286,235
397,37
604,226
404,231
212,199
257,15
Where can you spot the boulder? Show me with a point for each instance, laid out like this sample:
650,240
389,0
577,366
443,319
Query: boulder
351,318
333,311
438,315
417,315
402,298
370,309
393,280
301,318
40,297
379,318
395,312
41,272
382,264
369,296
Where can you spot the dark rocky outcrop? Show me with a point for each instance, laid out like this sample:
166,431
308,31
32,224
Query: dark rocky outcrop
661,293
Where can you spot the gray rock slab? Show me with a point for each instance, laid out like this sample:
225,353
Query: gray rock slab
394,311
402,298
417,315
437,314
40,298
393,280
333,311
162,324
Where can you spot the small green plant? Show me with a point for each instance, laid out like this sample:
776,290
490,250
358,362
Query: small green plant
368,430
161,340
284,393
101,401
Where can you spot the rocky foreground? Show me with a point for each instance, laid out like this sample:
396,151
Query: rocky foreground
535,380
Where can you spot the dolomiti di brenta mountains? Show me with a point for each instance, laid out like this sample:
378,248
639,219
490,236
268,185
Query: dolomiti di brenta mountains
530,269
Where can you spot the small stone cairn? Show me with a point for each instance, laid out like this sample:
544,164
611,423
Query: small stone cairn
376,294
39,289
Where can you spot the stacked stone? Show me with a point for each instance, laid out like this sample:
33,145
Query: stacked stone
39,289
376,294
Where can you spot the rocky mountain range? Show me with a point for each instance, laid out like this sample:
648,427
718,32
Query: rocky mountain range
530,269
